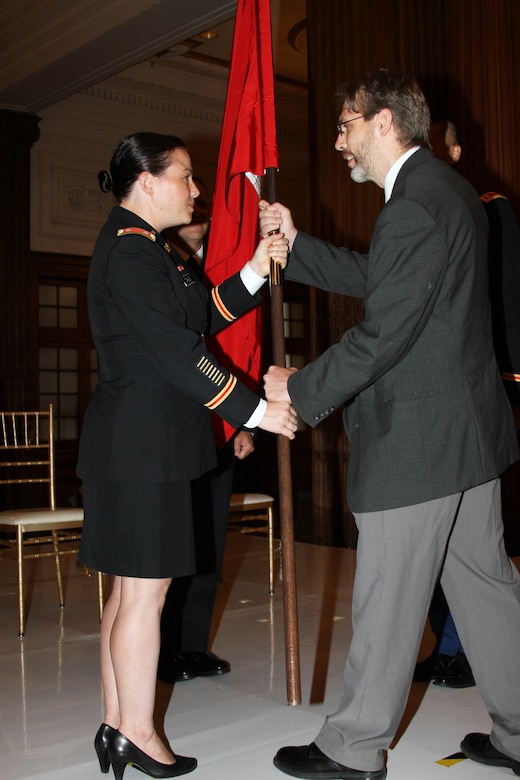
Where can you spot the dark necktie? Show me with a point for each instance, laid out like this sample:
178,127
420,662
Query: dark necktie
194,266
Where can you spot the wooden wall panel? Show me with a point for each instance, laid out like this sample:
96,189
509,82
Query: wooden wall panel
18,132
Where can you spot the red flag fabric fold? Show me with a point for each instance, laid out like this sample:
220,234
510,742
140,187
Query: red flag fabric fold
247,147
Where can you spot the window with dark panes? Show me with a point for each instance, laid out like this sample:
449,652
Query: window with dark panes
65,358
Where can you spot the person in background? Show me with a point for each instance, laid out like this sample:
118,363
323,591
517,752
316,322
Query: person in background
504,265
188,609
430,431
147,430
448,666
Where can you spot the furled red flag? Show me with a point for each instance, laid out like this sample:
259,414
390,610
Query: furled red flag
247,147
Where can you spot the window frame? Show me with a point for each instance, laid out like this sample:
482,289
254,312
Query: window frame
60,271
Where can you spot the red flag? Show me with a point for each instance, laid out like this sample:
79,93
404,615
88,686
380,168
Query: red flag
247,147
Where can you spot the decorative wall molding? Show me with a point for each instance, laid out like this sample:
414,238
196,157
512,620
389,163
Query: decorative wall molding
173,102
82,199
67,207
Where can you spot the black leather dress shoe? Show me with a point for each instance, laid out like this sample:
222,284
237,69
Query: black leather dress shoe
432,666
176,671
310,762
479,748
187,666
456,674
205,663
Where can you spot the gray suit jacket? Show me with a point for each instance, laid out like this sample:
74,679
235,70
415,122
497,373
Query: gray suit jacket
426,412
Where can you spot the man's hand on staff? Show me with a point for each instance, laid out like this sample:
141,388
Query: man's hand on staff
275,383
274,217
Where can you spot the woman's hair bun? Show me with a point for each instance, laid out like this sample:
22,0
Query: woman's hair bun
105,181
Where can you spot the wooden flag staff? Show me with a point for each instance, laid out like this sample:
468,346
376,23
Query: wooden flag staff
290,609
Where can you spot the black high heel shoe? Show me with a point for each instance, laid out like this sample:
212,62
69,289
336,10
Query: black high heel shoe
101,740
122,752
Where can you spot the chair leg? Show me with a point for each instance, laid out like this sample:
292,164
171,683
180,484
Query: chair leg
58,568
21,611
271,552
101,594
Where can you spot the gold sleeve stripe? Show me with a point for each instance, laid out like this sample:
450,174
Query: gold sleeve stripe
137,231
511,377
211,371
217,300
224,393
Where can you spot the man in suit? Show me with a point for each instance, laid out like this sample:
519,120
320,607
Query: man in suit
430,429
188,609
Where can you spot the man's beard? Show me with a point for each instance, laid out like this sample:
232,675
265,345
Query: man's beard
363,170
358,174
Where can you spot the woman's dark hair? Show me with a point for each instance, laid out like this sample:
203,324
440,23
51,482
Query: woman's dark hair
400,93
134,154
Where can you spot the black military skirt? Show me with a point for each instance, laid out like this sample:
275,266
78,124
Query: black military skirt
138,529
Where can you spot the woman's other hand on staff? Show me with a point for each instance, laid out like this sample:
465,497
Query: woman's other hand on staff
273,247
280,417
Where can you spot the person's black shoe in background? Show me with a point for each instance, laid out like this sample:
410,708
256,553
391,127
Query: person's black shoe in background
456,674
432,666
187,666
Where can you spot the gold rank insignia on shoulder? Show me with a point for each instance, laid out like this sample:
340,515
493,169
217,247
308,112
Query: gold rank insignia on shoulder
489,196
137,231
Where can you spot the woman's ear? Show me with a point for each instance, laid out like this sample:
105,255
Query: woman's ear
146,182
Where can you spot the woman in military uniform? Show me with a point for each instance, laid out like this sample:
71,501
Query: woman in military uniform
147,431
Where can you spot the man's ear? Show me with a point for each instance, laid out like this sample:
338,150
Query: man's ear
455,151
384,121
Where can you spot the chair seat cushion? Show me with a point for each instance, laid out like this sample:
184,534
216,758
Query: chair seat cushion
49,518
246,501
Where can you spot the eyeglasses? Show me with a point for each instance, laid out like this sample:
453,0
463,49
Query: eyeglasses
342,128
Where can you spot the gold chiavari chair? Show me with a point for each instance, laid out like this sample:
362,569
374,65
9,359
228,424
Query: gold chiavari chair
27,458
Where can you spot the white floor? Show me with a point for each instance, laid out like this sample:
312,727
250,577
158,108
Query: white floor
50,693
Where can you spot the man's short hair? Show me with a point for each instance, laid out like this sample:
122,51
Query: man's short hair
401,94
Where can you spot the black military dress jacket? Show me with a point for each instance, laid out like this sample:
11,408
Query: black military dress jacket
149,417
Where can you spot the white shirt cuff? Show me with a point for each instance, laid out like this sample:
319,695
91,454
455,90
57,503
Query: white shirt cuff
257,415
251,280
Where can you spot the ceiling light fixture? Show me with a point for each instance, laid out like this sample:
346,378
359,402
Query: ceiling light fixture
208,35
